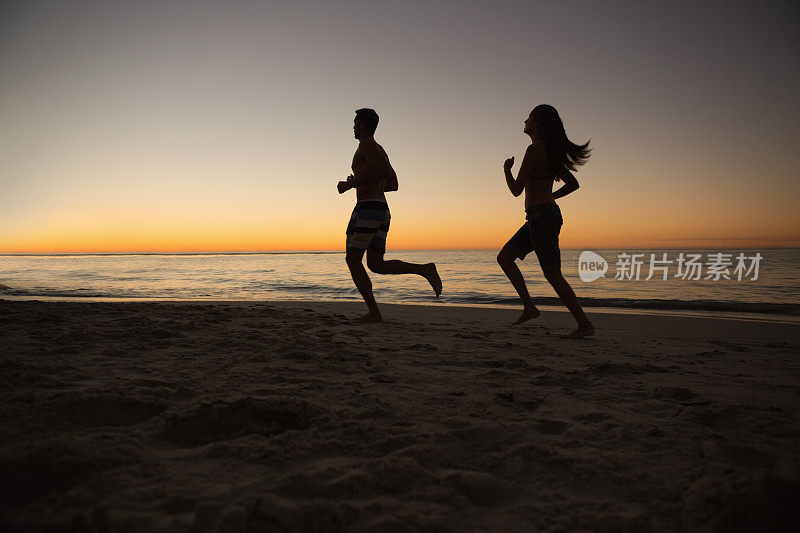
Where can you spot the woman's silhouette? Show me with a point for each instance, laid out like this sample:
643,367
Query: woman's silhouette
550,157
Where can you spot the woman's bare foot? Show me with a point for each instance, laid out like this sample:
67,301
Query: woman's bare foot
432,275
526,315
582,331
370,318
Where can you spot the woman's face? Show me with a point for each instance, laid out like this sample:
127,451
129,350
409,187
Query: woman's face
530,124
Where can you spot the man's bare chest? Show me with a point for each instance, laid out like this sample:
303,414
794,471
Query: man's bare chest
359,162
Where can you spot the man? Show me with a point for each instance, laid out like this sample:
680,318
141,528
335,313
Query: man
372,176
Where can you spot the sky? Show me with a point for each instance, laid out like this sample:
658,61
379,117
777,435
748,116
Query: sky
224,126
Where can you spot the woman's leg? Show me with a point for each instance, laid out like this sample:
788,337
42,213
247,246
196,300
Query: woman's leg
507,261
567,295
545,224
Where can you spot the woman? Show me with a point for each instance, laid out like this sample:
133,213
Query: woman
550,157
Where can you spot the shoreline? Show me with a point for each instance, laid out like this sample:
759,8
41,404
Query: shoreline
686,313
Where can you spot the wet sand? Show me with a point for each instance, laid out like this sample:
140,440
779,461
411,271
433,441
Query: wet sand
290,416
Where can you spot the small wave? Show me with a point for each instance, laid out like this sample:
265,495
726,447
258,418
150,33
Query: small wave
306,287
310,290
63,293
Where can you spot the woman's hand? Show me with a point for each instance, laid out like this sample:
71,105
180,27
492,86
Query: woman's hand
508,164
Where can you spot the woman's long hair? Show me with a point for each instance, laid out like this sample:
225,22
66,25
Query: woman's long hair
562,154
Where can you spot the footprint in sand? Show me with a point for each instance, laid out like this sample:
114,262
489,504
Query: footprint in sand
551,427
504,396
482,489
678,394
383,378
202,423
511,362
592,418
608,368
648,367
103,410
423,347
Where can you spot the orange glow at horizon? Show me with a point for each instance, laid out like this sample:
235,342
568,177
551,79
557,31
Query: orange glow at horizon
579,232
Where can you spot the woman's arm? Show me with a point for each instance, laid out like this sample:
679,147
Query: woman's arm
570,185
516,186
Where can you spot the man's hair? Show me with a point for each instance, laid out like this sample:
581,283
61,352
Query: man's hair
368,118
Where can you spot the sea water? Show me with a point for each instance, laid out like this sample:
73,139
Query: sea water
471,277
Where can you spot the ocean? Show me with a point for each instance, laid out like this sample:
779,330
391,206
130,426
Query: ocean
471,278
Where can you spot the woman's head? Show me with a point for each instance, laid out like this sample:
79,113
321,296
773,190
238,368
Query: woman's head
546,117
562,154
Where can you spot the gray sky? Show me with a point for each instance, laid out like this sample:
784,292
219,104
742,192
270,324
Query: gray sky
114,112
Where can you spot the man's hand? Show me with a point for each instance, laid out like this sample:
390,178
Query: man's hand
508,164
344,186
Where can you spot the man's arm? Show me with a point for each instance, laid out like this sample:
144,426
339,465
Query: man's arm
378,164
570,185
391,181
375,161
344,186
352,182
516,186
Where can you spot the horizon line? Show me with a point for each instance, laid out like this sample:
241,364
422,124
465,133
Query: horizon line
340,251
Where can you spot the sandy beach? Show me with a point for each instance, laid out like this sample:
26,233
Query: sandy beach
290,416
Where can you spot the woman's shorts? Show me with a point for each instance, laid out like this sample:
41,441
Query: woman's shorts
539,234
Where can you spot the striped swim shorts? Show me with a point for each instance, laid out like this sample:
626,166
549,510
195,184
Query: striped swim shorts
368,225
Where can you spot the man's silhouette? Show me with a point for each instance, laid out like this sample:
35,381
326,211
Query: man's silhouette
372,176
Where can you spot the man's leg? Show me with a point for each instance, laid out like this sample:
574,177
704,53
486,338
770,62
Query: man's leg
567,295
379,265
354,257
507,261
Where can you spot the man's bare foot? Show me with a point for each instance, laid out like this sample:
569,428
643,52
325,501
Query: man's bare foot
526,315
370,318
432,275
582,331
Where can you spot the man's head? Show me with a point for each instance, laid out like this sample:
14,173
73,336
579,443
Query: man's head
365,123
